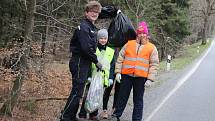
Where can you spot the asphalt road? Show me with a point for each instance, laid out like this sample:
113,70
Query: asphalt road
194,98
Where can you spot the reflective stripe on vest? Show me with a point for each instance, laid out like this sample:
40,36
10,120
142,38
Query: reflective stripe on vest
137,59
137,63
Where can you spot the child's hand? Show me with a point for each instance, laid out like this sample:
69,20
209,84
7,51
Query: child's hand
118,77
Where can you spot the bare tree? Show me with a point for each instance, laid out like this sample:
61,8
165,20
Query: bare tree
8,106
56,17
48,21
136,8
205,11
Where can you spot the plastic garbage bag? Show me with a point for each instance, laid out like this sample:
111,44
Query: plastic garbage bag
120,30
108,12
105,66
95,94
103,60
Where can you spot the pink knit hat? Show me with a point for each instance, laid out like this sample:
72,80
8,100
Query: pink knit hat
142,28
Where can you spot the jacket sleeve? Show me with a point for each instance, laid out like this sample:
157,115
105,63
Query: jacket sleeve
153,64
120,59
112,68
87,44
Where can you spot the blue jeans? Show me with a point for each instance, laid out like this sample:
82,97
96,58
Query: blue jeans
126,85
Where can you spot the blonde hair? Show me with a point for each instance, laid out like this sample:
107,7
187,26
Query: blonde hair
93,5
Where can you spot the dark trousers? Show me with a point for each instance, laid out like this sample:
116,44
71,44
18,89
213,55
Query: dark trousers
83,112
79,69
126,85
107,95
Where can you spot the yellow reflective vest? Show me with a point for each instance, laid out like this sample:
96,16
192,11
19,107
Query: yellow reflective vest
108,56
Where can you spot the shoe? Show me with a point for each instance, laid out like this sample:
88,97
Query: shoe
82,117
114,118
94,118
69,119
76,119
63,118
66,119
113,109
104,114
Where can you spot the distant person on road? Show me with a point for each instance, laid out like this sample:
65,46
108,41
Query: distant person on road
83,47
106,53
136,67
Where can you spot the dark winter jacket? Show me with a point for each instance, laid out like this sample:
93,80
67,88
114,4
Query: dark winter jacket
84,42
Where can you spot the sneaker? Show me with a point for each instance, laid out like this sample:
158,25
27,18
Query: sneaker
104,114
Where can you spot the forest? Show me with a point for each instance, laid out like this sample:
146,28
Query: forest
34,45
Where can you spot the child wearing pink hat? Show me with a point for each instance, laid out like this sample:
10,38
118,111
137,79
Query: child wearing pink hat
143,28
136,67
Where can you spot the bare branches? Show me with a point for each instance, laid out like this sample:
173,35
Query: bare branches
130,8
53,19
205,11
60,28
25,3
136,7
59,6
210,7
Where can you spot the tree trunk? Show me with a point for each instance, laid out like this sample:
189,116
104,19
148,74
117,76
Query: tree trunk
45,35
210,24
212,28
55,42
204,37
48,21
162,53
8,106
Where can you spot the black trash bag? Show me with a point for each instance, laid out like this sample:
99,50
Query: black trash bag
108,12
120,31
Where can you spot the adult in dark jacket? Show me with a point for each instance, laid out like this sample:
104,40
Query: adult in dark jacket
83,48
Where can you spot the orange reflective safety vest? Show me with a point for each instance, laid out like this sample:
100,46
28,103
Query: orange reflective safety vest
137,63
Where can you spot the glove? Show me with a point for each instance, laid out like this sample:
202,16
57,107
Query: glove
99,66
119,11
89,79
110,81
118,77
148,83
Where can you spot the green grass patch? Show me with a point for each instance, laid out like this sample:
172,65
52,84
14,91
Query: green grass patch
189,53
